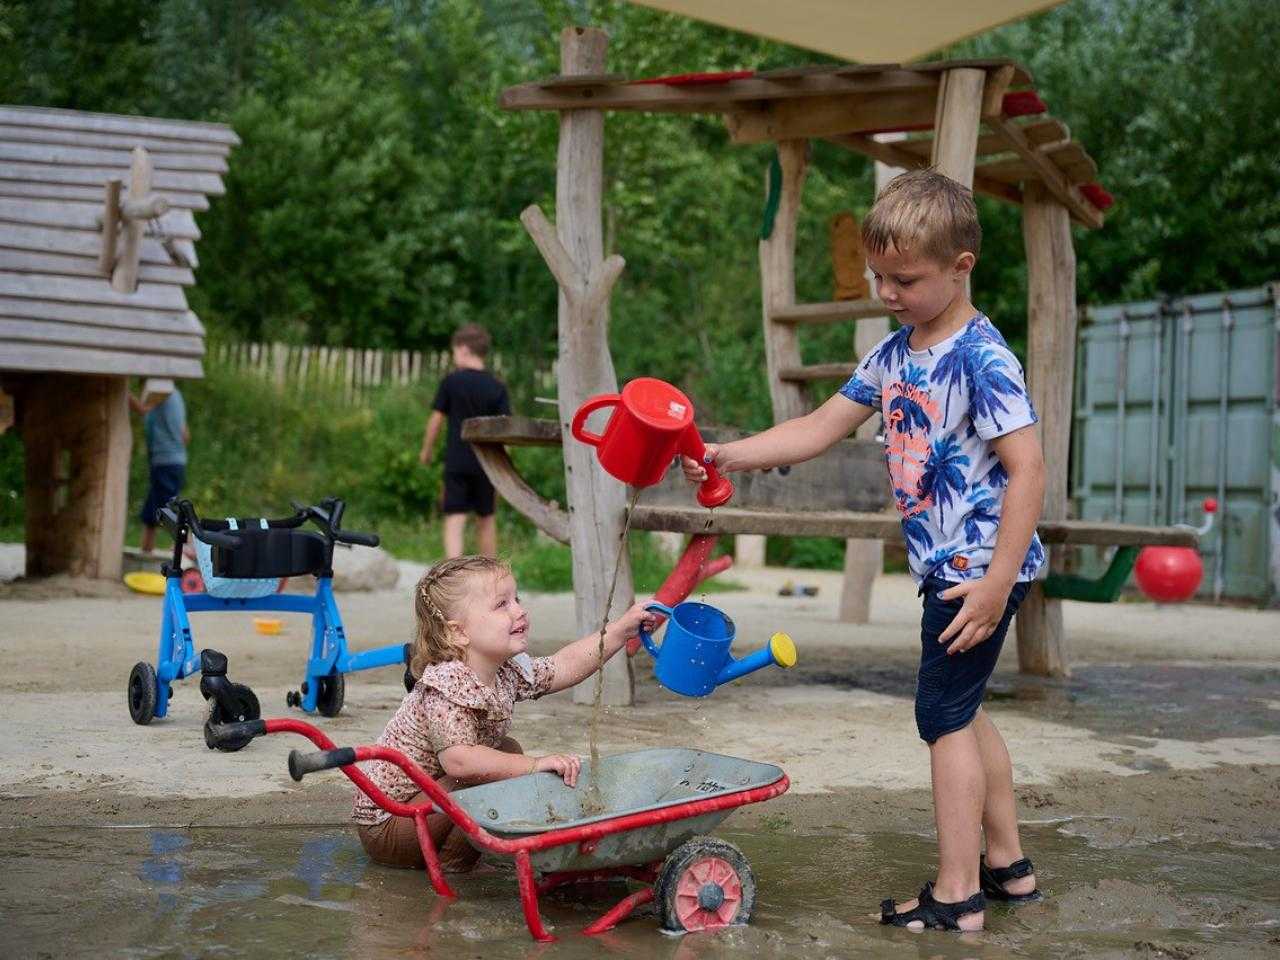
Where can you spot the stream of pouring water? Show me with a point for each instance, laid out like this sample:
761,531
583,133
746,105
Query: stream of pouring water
593,803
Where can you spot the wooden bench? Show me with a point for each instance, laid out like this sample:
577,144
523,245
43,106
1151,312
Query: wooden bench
843,493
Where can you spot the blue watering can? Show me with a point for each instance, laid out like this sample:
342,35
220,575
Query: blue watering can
694,657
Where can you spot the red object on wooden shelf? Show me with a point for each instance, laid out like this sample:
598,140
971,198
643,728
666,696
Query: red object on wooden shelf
697,79
1022,103
1169,574
1097,194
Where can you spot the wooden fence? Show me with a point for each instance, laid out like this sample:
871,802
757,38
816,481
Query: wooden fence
345,373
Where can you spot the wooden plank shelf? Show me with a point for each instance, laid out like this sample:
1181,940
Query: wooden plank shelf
833,312
817,371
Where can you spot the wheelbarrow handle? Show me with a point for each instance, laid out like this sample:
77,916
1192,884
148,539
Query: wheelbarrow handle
300,764
218,733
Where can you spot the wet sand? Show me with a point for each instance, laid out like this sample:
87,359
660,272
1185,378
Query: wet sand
1165,743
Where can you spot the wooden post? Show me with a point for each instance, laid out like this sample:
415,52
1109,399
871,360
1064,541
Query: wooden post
574,251
864,559
1051,346
142,205
77,439
778,283
959,112
110,228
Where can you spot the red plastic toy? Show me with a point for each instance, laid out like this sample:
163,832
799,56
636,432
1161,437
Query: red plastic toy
651,423
1172,574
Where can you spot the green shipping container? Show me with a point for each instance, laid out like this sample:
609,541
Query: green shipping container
1177,401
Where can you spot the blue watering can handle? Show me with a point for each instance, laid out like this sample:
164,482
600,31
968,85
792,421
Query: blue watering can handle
645,638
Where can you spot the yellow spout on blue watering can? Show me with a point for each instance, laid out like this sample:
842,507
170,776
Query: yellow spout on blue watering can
694,657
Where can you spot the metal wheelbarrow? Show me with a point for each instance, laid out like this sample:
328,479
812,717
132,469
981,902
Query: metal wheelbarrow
658,804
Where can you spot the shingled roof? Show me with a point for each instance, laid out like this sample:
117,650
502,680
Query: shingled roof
58,311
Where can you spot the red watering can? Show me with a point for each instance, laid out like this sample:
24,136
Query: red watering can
652,422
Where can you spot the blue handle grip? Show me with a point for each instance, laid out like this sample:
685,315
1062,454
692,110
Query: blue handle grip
645,638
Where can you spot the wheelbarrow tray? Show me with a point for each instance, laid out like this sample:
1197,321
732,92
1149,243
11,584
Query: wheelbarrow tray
638,782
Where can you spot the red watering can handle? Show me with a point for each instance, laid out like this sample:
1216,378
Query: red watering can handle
578,427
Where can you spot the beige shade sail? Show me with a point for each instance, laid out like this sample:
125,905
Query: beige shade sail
867,31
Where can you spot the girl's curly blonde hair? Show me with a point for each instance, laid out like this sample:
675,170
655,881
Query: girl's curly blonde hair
437,599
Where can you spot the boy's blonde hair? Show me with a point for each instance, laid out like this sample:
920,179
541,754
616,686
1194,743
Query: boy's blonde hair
437,599
474,337
926,213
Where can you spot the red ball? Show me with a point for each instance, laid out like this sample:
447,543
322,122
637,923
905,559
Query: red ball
1169,574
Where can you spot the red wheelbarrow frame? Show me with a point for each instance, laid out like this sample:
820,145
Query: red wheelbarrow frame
585,835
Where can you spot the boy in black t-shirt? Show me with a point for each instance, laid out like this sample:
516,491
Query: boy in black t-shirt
469,391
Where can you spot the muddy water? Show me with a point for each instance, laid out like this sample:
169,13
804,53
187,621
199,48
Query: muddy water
291,892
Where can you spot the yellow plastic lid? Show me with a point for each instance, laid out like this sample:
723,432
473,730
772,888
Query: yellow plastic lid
783,649
145,581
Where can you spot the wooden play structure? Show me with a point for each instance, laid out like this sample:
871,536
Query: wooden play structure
97,241
978,121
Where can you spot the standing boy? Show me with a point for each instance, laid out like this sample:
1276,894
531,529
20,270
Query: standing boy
469,391
165,425
968,478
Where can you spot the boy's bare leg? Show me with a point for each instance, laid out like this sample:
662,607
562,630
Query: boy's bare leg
454,523
487,535
959,786
1000,814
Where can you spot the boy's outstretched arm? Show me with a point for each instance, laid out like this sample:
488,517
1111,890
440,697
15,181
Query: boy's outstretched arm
985,599
434,422
576,661
792,441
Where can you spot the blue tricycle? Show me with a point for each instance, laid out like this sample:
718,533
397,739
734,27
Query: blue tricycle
242,563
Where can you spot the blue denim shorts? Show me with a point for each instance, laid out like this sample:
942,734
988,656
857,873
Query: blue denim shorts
949,689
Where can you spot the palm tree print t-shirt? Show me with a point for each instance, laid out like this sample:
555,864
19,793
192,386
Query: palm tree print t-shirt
942,408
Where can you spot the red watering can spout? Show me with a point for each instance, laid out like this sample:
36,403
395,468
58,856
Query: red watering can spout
652,421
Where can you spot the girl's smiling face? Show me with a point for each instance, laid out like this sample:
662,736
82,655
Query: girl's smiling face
493,626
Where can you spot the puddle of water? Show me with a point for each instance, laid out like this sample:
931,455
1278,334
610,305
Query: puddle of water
290,892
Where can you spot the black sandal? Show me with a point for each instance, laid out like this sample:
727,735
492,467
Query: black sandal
993,880
934,914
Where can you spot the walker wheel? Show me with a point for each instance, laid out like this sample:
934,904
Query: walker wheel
144,690
192,581
704,884
330,692
246,708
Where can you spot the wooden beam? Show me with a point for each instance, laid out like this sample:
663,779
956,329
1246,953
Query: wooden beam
959,111
12,133
810,313
828,116
83,360
110,228
712,98
40,286
512,431
84,216
1055,180
1051,337
61,264
125,318
778,282
183,130
889,153
191,182
91,193
546,515
879,526
58,333
67,155
596,500
818,371
21,236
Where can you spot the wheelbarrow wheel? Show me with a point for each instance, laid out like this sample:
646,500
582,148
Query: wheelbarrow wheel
705,883
246,708
143,691
330,693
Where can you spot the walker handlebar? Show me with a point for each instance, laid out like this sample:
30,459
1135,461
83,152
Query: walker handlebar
177,515
220,733
300,764
327,515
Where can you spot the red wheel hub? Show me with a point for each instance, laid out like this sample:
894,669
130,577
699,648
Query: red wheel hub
708,894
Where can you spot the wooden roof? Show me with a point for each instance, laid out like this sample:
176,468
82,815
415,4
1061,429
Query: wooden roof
847,105
58,312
